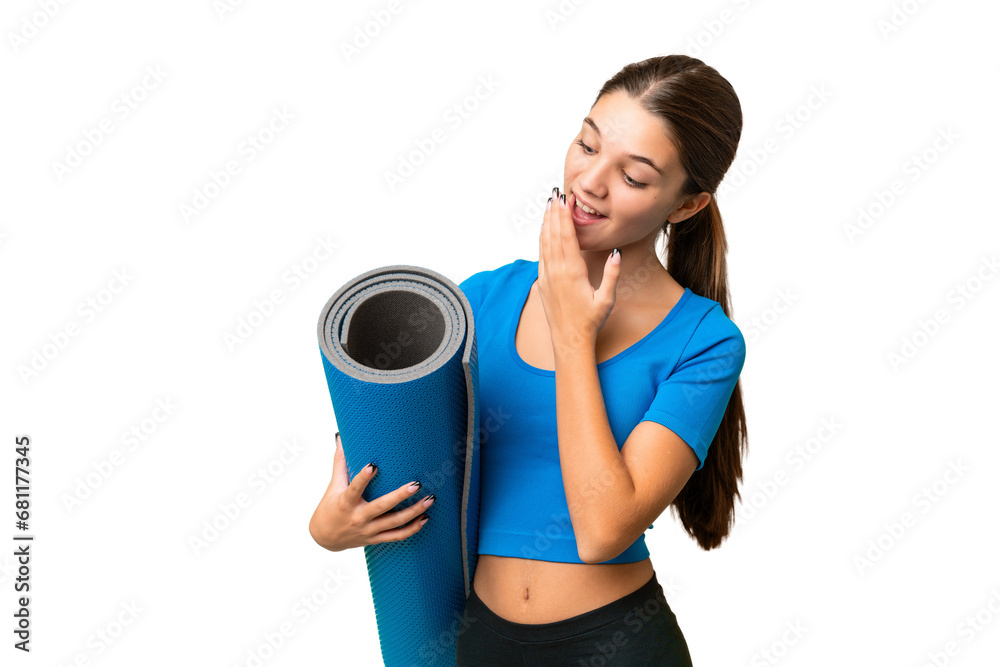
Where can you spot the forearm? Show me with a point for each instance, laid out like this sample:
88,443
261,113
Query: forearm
597,482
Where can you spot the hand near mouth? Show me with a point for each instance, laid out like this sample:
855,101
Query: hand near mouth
575,311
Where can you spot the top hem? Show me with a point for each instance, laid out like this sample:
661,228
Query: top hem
539,547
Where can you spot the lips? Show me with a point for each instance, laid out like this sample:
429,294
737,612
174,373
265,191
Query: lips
587,204
581,217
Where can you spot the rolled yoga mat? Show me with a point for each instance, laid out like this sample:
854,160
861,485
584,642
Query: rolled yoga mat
398,345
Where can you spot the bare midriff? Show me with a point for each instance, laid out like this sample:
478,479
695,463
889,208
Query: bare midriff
534,591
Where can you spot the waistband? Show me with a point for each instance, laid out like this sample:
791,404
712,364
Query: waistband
648,600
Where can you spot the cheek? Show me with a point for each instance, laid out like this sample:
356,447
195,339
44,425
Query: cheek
634,209
571,167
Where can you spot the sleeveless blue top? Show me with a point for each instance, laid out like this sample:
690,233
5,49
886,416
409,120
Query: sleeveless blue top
680,375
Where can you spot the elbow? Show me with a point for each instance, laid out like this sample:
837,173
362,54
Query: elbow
593,552
604,538
588,557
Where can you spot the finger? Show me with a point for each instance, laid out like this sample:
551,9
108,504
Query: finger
389,501
541,231
392,517
572,244
560,231
398,534
358,485
607,292
542,241
340,478
552,235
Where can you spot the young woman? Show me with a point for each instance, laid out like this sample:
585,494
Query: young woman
615,382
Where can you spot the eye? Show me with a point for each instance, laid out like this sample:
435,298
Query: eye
628,179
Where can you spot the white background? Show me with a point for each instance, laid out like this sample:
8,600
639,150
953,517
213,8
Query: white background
822,310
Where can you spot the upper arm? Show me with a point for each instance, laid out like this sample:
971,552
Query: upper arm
671,441
660,464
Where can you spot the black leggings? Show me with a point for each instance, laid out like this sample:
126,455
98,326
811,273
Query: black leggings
637,629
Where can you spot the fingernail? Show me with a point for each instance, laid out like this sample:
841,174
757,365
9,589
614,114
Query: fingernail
616,256
429,499
548,204
337,436
414,486
423,518
563,198
555,192
372,467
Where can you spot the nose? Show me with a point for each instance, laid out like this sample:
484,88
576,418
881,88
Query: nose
591,182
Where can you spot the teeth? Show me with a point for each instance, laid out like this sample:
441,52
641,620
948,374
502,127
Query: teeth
586,208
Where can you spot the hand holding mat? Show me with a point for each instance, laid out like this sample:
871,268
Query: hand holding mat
398,346
345,520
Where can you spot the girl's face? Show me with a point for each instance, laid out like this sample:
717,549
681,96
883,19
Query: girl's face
623,165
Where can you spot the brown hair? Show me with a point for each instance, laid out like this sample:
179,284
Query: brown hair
702,117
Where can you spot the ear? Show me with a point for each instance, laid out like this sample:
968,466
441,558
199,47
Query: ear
690,207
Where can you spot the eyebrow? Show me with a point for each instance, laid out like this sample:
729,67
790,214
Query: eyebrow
633,156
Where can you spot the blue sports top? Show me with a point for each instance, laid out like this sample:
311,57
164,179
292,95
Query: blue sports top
680,375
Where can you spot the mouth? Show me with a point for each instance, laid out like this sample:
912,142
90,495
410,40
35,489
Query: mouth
582,217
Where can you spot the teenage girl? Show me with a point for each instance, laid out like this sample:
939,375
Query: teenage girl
620,382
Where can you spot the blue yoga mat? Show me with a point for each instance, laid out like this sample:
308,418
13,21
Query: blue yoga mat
398,345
